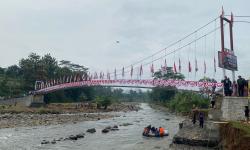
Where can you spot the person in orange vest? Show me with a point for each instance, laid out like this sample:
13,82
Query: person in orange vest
161,130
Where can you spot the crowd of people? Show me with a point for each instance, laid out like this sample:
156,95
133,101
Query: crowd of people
152,131
239,88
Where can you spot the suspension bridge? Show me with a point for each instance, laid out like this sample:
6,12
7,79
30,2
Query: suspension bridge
188,55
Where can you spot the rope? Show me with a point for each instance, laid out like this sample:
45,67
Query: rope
214,48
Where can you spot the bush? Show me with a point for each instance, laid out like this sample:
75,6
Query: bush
184,101
103,101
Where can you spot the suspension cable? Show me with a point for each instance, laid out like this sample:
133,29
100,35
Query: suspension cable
180,48
174,43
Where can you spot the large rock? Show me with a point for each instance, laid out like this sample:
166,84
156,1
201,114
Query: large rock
126,124
72,137
80,135
105,130
53,141
114,129
45,142
92,130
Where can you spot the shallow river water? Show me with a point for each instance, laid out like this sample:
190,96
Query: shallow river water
127,138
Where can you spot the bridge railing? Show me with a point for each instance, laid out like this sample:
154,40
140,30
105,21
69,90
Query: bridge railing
131,83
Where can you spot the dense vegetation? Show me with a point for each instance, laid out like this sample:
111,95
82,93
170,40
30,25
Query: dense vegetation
177,100
18,80
184,102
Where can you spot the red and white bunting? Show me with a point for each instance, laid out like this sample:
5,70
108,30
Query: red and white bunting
131,71
141,71
152,69
179,65
205,68
123,72
174,69
115,76
189,67
196,65
214,64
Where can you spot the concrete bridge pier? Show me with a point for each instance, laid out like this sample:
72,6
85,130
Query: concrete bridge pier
29,101
233,108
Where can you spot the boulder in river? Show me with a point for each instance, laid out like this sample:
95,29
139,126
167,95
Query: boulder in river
105,130
92,130
115,126
80,135
72,137
126,124
60,139
53,142
45,142
114,129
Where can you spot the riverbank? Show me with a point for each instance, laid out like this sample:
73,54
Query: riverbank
235,135
129,135
53,114
192,135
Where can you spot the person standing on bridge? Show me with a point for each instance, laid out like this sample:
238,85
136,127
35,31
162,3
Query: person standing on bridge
241,84
227,86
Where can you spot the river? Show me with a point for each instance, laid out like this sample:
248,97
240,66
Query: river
126,138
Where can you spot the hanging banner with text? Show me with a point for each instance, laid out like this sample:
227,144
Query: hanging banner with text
227,60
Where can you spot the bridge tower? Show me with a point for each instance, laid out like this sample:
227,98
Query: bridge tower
224,61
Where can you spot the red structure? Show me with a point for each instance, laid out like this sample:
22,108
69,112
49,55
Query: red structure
226,51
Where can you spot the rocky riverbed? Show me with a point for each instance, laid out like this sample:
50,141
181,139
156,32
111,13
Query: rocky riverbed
34,118
123,133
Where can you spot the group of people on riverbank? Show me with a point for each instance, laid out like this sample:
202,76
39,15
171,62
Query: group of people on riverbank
152,131
239,88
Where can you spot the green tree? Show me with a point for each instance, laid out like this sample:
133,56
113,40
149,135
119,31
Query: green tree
164,94
184,101
207,89
2,70
168,74
13,71
4,92
31,70
103,101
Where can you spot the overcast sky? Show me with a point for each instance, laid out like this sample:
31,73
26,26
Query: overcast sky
86,31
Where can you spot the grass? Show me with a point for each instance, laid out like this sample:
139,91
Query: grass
242,126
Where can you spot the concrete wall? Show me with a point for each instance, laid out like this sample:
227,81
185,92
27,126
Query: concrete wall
233,108
25,101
